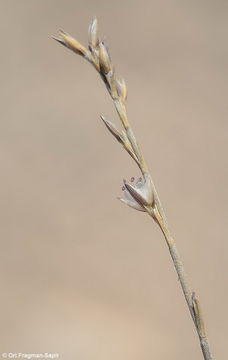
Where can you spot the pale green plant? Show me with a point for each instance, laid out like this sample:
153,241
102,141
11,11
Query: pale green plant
141,194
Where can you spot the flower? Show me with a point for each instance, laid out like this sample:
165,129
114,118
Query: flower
139,194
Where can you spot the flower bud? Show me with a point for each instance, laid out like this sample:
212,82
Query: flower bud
121,89
71,43
113,130
93,33
104,58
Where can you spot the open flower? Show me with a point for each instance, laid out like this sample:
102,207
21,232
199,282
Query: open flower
138,194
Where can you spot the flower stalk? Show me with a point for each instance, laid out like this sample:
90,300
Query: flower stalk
141,194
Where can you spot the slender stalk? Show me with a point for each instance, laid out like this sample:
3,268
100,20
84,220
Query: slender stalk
191,300
141,195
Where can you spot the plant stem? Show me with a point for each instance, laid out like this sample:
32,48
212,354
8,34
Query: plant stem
191,300
98,56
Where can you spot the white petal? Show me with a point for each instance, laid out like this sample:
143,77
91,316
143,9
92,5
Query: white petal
132,204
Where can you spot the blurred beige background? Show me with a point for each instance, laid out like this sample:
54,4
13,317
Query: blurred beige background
83,275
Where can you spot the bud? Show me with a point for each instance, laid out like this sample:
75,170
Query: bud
121,89
113,130
93,33
71,43
104,58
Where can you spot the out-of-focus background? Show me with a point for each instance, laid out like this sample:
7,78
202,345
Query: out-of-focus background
83,275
